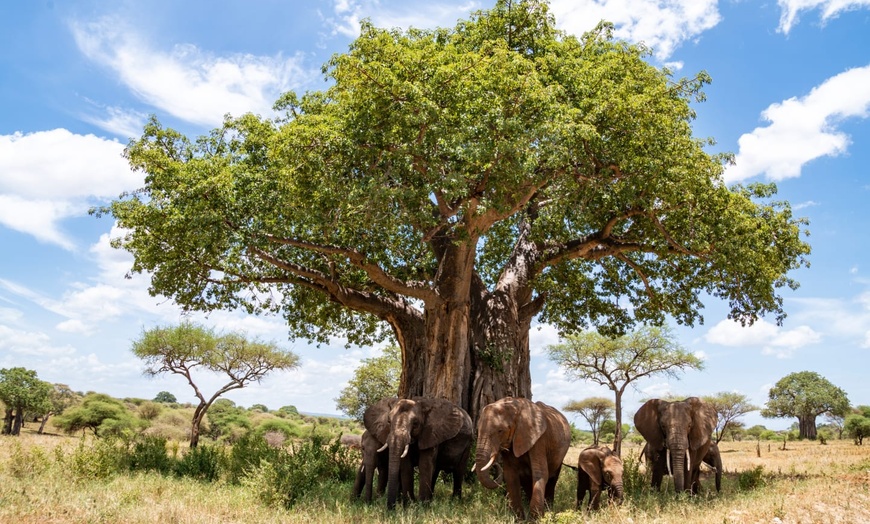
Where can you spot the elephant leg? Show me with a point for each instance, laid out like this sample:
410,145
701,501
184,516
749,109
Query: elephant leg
582,487
406,475
428,471
359,482
594,498
459,473
512,483
538,500
383,478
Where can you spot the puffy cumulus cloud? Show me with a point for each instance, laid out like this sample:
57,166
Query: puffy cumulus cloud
773,339
185,81
803,129
28,344
791,10
48,176
663,25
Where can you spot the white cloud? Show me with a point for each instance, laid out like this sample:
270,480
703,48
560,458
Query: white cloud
773,339
662,25
803,129
830,9
48,176
122,122
187,82
28,343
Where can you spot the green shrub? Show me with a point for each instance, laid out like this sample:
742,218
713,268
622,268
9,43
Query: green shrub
633,480
103,459
201,463
149,454
26,463
247,454
288,475
751,479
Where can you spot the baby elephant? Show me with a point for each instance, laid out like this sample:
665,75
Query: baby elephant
598,469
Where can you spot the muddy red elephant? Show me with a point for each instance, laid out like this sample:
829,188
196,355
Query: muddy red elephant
531,438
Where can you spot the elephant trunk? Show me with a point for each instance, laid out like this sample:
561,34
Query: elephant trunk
616,492
397,448
678,468
483,460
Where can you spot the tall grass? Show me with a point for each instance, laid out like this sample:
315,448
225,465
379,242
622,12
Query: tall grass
72,480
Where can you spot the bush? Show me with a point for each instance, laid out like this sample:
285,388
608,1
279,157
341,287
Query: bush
98,461
247,454
201,463
149,454
287,476
633,480
751,479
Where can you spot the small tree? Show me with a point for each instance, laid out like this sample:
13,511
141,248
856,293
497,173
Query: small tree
165,397
594,410
729,407
374,379
60,398
99,413
184,348
618,362
805,395
21,391
857,424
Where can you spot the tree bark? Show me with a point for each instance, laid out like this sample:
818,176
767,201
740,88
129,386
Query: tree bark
42,424
807,427
198,415
7,421
617,436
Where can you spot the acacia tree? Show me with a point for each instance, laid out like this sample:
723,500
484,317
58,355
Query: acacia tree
594,410
374,379
729,406
857,424
21,391
805,395
450,185
185,348
617,362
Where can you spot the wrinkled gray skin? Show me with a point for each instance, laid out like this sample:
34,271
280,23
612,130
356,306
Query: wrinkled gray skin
434,434
598,469
682,428
658,463
531,439
371,461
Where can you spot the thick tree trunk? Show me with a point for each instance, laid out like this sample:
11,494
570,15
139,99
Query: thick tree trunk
17,421
807,425
617,437
42,424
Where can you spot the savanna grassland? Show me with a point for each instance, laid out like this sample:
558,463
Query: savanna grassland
57,479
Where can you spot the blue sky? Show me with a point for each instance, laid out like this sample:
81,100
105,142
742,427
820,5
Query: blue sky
790,98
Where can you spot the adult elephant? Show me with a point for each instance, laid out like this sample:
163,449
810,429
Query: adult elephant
372,461
682,428
658,463
532,439
436,430
599,469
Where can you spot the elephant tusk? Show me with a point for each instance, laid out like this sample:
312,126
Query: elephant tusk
362,468
488,464
405,451
668,459
474,467
384,447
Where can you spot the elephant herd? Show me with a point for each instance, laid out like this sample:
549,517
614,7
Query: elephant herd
526,442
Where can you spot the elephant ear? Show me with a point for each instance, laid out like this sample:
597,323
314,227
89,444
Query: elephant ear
531,423
377,418
646,420
442,421
704,421
590,462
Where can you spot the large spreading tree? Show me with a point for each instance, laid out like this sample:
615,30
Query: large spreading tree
805,395
451,185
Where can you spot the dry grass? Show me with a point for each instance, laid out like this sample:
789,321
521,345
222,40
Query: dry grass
806,483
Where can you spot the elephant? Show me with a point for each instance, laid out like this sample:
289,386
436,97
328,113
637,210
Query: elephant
532,439
680,428
433,432
372,461
599,469
658,459
351,441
